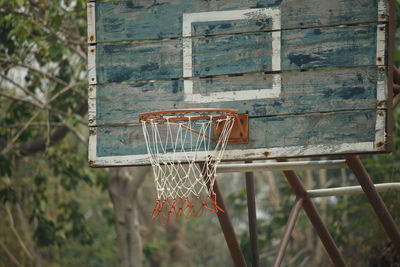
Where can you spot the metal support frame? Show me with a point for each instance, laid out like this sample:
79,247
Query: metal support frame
294,213
251,207
282,166
227,227
351,190
304,200
314,217
375,199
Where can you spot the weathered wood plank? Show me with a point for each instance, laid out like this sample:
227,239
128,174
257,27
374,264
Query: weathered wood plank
301,92
295,134
230,54
143,19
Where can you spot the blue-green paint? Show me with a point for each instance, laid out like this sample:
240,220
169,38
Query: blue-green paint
232,54
143,20
285,131
302,92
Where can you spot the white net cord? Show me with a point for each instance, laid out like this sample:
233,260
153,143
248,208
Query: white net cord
183,186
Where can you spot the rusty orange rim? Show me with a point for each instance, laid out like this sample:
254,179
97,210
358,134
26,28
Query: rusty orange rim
186,114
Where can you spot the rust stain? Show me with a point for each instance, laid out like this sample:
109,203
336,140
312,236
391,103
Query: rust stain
266,154
379,59
380,104
381,69
90,121
91,132
91,89
381,114
380,144
91,38
381,28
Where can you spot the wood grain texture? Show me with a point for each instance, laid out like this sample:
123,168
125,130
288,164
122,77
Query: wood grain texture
324,62
231,54
266,133
302,92
143,19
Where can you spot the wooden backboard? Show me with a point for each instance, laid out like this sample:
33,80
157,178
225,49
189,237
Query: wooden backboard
312,75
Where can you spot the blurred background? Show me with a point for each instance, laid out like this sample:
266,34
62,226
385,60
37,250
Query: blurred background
56,211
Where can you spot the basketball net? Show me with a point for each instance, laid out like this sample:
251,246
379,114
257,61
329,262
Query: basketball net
175,145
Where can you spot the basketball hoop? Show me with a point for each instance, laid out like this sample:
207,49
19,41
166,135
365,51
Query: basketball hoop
176,140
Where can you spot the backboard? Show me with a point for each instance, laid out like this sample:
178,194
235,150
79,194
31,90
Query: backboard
311,75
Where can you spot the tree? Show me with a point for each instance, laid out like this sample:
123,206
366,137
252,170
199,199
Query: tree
43,53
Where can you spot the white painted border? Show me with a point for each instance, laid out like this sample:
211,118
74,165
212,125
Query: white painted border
92,64
383,10
245,14
250,154
380,130
92,105
381,87
380,44
91,21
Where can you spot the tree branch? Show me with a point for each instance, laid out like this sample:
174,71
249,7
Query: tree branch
39,106
14,230
15,138
74,131
8,252
50,77
39,144
25,90
40,22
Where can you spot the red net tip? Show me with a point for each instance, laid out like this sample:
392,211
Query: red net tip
175,208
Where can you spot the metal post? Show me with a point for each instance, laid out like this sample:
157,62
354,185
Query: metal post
375,199
282,166
294,213
227,227
251,207
351,190
313,216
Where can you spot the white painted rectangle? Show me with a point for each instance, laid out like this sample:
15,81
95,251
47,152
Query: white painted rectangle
246,14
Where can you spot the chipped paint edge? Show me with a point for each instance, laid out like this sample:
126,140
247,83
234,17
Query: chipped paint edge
383,10
92,64
91,21
92,105
380,130
378,145
381,87
380,44
250,154
245,14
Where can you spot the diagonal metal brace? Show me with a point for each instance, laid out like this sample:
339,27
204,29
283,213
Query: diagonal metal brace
314,217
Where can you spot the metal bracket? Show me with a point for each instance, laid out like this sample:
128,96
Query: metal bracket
240,130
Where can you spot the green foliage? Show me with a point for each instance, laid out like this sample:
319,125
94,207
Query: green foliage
43,54
8,194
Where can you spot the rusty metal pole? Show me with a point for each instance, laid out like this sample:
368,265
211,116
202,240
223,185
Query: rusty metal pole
294,213
227,227
375,199
229,232
251,207
313,216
